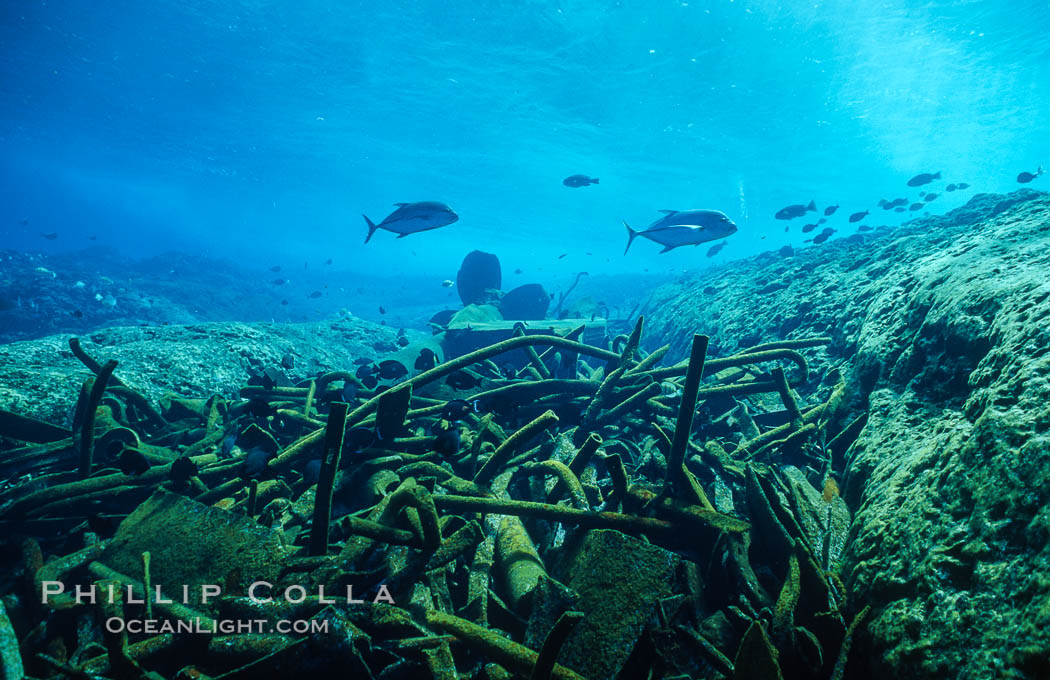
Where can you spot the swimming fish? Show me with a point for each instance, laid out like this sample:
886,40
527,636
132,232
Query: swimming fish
50,236
899,209
182,469
917,206
929,197
577,181
448,283
863,227
228,442
798,210
715,249
390,369
358,438
830,210
314,295
426,360
858,216
462,380
1026,177
288,361
923,178
808,228
684,228
824,235
278,282
276,268
950,187
255,462
259,408
132,462
447,442
411,218
312,472
962,185
458,409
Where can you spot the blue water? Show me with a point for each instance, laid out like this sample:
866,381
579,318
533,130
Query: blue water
261,131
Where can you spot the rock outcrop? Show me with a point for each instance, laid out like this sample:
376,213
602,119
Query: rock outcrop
941,330
41,378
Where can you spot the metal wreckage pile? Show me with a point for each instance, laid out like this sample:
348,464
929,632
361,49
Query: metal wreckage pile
628,521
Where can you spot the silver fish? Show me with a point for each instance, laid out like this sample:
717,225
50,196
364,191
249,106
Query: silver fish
684,228
410,218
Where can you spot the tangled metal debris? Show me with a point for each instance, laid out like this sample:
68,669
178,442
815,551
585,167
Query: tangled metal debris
634,521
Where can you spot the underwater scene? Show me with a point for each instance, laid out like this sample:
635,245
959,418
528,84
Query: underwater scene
449,340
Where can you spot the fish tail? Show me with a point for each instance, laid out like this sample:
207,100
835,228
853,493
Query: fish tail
937,175
812,205
1039,170
631,233
371,228
594,181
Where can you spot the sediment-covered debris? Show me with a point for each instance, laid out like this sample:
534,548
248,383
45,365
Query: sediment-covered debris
569,532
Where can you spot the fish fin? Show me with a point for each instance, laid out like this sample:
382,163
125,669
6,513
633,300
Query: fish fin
594,181
631,233
812,205
371,228
401,205
668,249
402,235
667,212
1039,170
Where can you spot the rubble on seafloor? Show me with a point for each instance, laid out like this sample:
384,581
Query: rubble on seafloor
633,520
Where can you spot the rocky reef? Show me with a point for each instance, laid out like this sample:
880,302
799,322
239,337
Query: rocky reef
940,331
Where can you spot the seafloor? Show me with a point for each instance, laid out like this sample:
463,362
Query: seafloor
831,462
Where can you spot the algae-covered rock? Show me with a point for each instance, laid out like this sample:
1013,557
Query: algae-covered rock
192,545
620,580
41,378
10,656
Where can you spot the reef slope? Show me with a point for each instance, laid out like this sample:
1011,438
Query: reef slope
941,330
